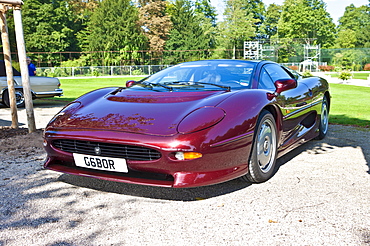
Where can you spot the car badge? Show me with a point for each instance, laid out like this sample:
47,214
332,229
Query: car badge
97,150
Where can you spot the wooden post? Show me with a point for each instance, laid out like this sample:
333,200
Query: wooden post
12,2
24,68
8,66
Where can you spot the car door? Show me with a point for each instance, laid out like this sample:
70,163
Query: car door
294,103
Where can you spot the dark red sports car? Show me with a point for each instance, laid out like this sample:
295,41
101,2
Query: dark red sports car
197,123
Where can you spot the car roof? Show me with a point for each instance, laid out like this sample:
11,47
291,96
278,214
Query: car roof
222,60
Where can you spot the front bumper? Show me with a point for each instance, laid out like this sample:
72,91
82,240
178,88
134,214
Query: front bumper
218,164
43,94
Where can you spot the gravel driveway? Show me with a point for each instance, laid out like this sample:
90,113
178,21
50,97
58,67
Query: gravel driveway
319,196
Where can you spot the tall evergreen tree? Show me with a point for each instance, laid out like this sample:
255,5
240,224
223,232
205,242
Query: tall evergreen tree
270,24
206,17
205,7
257,9
238,25
114,27
48,27
186,34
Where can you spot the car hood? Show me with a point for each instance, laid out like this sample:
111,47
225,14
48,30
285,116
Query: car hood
153,113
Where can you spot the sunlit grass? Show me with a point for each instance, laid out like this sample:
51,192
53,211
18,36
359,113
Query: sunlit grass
350,105
354,75
73,88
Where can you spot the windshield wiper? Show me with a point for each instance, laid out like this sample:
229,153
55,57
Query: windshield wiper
228,88
199,83
157,84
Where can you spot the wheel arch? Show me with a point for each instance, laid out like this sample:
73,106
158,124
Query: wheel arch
328,97
276,113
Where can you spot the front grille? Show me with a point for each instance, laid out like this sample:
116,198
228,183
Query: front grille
128,152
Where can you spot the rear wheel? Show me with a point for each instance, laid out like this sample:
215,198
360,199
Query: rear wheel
263,156
19,98
324,119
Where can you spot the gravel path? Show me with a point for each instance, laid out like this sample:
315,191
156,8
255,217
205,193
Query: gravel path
319,196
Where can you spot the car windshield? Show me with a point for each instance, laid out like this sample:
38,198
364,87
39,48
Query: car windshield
204,75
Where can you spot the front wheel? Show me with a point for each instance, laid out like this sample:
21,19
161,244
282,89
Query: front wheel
324,119
19,98
264,150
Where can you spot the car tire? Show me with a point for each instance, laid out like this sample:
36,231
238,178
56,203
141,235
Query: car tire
324,119
19,98
262,160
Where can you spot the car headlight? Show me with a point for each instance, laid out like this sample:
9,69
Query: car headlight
181,156
200,119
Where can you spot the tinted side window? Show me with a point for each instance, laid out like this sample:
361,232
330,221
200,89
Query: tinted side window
276,72
265,81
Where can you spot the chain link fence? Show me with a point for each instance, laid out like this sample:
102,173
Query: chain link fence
95,71
138,70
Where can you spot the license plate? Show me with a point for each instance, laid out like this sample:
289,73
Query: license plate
101,163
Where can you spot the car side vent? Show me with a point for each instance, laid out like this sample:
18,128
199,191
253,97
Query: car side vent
128,152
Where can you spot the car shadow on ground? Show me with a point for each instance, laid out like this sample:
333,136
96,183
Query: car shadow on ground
163,193
334,139
339,136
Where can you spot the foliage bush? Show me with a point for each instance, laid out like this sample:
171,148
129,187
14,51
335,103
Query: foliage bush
326,68
345,75
16,65
95,73
137,72
307,74
74,63
367,67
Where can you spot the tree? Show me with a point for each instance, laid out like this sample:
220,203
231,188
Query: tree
270,25
307,20
83,8
239,24
204,7
357,20
114,27
206,17
257,9
346,39
156,24
48,27
186,34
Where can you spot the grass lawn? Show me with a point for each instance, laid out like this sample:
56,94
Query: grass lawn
73,88
354,75
349,104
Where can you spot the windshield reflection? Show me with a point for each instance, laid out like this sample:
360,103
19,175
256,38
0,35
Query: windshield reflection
210,75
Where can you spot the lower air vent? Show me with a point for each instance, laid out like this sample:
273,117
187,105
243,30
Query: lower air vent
128,152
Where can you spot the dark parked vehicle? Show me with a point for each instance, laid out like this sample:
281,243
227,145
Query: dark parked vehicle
41,87
194,124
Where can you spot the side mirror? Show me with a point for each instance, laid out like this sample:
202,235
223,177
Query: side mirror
130,83
284,85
